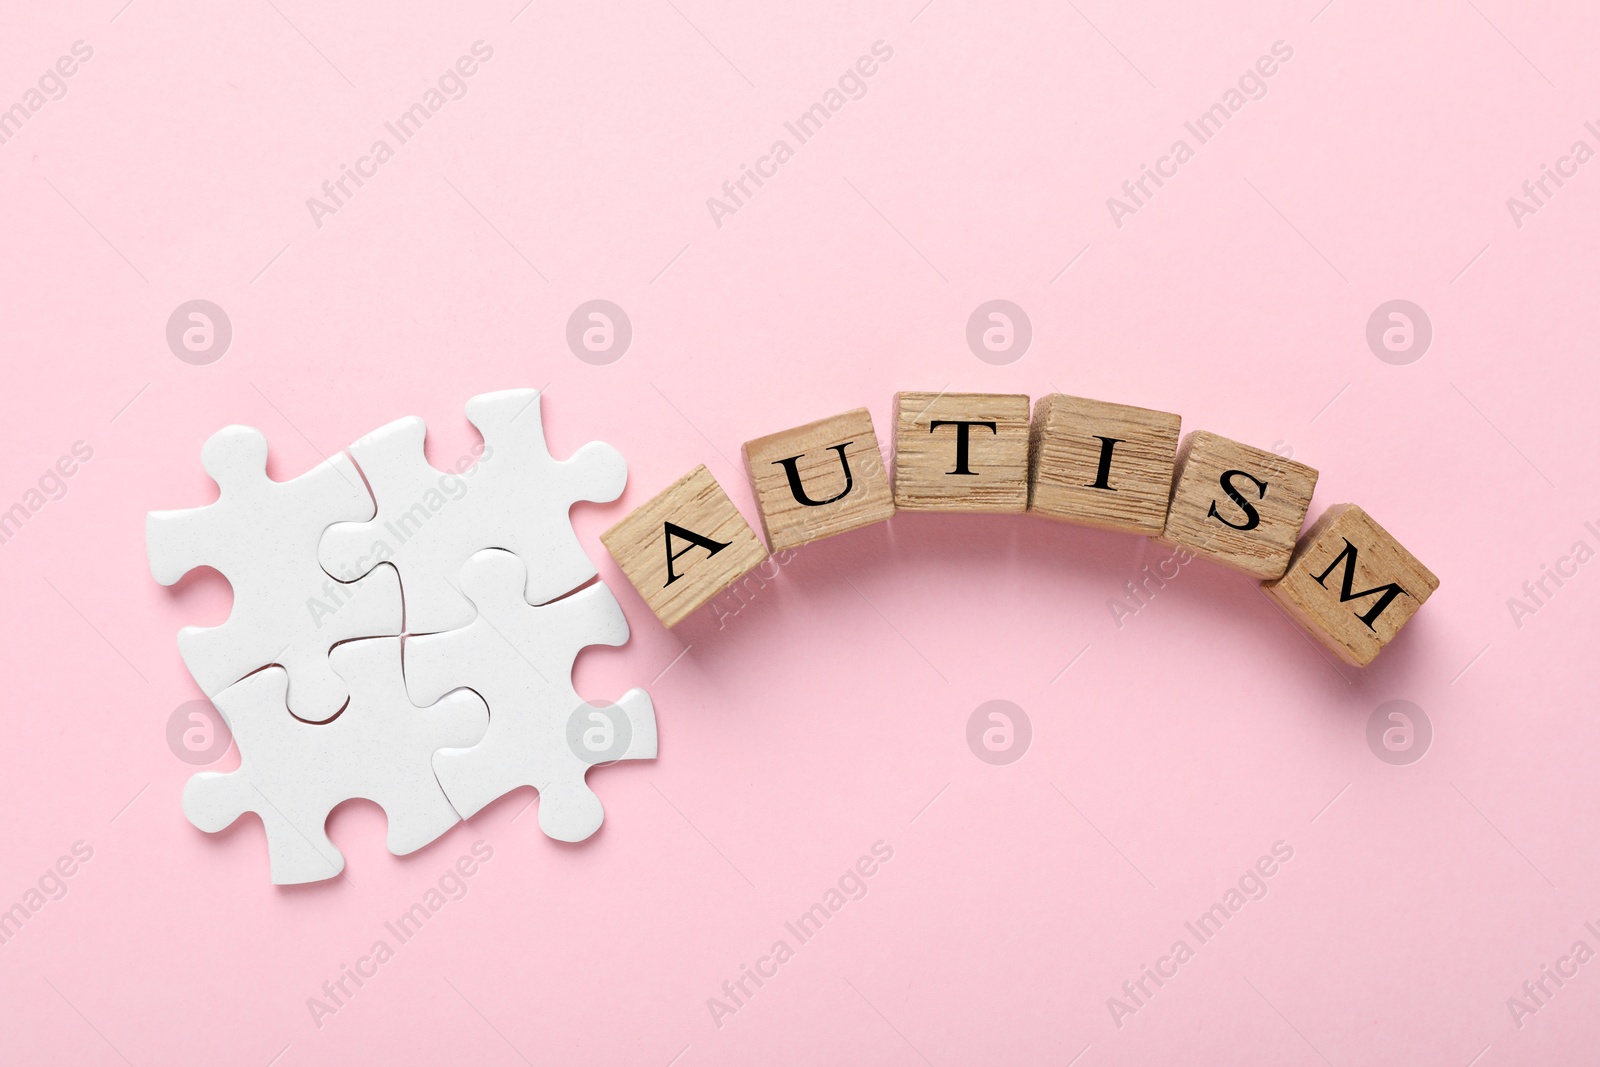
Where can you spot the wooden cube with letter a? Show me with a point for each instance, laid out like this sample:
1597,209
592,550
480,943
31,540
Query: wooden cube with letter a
961,452
1103,465
1351,585
1240,506
819,479
684,546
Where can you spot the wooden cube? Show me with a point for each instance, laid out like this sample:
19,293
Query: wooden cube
1351,585
1103,465
819,479
961,452
684,546
1240,506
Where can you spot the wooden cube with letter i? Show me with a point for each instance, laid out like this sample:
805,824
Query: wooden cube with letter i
1103,465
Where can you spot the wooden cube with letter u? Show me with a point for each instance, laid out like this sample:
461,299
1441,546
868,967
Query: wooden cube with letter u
1351,585
819,479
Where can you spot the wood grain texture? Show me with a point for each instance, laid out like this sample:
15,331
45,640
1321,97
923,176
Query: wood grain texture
942,466
849,493
1351,585
1067,449
1273,493
695,573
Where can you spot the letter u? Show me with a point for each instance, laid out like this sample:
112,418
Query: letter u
791,467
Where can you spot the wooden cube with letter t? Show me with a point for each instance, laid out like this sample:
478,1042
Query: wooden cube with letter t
961,452
819,479
1240,506
1351,585
684,546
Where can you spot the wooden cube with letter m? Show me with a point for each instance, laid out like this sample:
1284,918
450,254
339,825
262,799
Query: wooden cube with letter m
1351,585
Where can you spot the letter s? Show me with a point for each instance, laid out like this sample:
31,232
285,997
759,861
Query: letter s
1252,517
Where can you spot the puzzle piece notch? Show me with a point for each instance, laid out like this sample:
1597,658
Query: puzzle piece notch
293,774
519,658
263,536
430,522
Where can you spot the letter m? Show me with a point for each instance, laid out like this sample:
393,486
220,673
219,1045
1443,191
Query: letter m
11,121
817,916
11,921
1385,593
11,522
412,920
1212,120
411,521
811,120
411,120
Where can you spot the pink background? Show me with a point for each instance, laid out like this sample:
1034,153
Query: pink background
830,712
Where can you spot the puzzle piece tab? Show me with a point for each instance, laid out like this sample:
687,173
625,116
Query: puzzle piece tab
430,522
292,774
519,658
264,536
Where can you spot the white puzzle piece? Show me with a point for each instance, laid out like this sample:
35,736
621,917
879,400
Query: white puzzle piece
519,658
264,537
430,522
293,774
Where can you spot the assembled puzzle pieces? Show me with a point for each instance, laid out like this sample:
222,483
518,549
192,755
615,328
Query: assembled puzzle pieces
264,536
430,522
519,658
293,774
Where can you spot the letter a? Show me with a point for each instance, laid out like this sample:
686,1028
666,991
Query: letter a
318,209
1519,210
718,209
1119,1010
671,530
719,1010
1119,210
318,1010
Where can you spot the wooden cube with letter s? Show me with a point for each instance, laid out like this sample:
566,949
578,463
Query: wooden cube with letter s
1237,505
